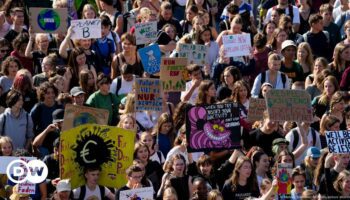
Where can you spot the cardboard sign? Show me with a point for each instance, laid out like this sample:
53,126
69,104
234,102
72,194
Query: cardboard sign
86,28
75,115
256,109
284,175
338,141
289,105
48,20
150,58
109,147
173,74
140,193
195,53
146,33
213,127
236,45
148,95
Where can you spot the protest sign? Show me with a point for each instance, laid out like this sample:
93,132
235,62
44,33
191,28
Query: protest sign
140,193
338,141
26,188
284,175
236,45
148,95
289,105
75,115
256,109
109,147
150,58
195,53
213,127
48,20
86,29
173,74
146,33
6,160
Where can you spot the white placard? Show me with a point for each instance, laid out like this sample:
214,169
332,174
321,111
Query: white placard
146,32
338,141
142,193
5,161
236,45
86,28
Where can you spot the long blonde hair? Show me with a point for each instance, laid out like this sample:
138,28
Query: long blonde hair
309,61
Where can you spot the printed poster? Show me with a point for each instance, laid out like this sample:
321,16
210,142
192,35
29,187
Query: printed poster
146,33
150,58
236,45
86,29
109,147
338,141
75,115
48,20
173,74
289,105
195,53
213,127
148,95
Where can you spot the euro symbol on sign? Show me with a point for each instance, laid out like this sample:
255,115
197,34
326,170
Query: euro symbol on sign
86,152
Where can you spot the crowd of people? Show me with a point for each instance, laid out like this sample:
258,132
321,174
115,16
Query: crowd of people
298,45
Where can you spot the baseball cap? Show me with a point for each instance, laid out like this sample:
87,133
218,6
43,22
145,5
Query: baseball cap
57,115
313,152
288,43
280,141
75,91
63,185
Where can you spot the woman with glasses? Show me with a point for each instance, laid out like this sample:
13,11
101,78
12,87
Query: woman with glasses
47,68
4,49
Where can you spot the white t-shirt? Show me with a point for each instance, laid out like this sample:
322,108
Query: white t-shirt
126,86
290,138
192,99
296,17
90,194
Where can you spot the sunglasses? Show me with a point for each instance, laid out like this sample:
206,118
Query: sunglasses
4,50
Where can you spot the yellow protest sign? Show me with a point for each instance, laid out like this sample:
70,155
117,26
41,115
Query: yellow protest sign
109,147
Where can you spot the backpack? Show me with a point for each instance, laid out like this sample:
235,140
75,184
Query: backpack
324,32
83,192
296,138
283,77
119,85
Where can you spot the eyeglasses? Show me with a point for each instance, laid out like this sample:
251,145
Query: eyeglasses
4,50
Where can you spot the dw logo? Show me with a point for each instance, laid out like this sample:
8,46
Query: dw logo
19,171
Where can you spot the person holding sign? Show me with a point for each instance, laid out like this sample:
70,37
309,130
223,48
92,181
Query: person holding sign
191,91
134,175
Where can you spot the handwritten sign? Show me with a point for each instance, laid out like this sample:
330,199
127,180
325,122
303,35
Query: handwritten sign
75,115
48,20
146,32
256,109
173,74
150,58
86,28
338,141
195,53
289,105
236,45
109,147
140,193
26,188
284,175
148,95
213,127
